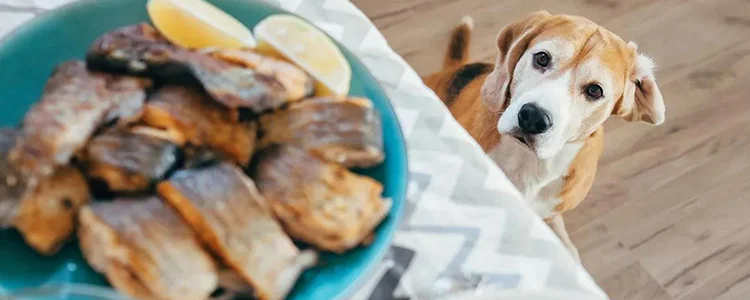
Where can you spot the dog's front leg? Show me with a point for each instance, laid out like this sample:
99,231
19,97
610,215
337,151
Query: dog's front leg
558,226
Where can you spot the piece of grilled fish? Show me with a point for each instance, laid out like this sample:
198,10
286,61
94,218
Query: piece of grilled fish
295,81
136,49
128,94
225,209
141,50
233,287
13,185
129,161
189,116
46,217
44,214
341,130
146,250
73,105
196,157
318,202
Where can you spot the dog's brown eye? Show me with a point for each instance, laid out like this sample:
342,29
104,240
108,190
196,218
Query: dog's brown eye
541,60
594,91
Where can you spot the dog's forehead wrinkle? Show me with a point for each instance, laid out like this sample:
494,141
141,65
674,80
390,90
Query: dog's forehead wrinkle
603,70
593,70
582,53
560,48
584,50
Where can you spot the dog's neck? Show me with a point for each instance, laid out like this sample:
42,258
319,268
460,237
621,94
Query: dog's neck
539,180
533,176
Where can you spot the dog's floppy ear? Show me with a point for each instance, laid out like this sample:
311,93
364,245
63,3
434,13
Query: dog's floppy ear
641,100
512,42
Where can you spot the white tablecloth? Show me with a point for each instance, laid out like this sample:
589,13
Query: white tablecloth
465,227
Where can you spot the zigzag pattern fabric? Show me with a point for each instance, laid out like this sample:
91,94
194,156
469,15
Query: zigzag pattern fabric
465,227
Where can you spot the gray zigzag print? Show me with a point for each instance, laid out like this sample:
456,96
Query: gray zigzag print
386,287
469,182
433,134
471,234
417,184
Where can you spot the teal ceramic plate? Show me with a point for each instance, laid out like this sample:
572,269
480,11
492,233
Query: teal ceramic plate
28,56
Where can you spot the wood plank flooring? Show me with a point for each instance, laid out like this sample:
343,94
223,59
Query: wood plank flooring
669,215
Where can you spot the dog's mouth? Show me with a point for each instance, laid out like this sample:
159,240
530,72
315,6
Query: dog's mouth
524,139
521,139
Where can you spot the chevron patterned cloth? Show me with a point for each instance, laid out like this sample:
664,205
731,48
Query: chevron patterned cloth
466,229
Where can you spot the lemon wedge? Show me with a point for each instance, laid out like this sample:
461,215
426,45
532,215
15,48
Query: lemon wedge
198,24
298,41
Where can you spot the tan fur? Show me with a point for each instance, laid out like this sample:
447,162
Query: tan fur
582,172
477,97
472,115
480,122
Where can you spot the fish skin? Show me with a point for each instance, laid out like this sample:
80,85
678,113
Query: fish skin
224,208
146,250
46,217
322,203
347,131
43,212
141,50
295,81
191,117
74,104
13,184
129,161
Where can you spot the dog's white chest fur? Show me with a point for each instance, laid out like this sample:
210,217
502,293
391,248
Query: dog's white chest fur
540,181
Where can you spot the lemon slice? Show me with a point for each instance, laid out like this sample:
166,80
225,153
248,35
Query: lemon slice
300,42
198,24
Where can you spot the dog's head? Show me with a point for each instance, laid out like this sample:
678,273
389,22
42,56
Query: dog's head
558,78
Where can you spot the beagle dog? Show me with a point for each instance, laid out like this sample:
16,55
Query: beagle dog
539,111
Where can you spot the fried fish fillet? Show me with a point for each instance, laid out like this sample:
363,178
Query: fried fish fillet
223,206
44,213
73,105
128,94
233,287
295,81
196,157
146,250
341,130
13,185
46,217
318,202
189,116
137,49
236,87
141,50
129,161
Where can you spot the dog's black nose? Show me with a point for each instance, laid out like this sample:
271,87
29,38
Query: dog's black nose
533,119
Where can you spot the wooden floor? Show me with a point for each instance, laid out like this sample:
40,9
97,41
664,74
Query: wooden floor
669,215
